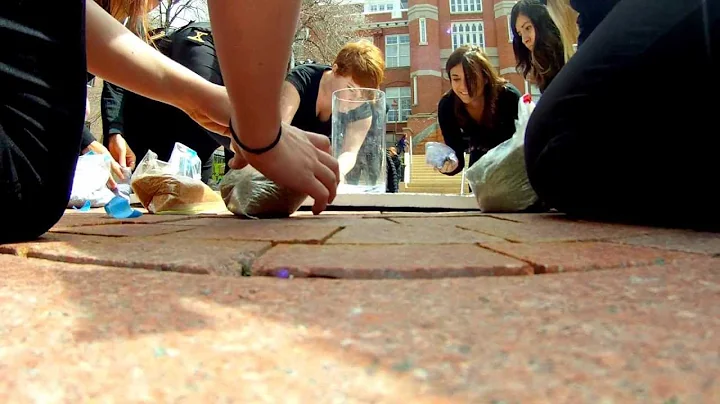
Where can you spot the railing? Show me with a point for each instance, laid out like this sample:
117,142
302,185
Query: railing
408,160
462,181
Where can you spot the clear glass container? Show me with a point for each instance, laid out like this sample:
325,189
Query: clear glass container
358,139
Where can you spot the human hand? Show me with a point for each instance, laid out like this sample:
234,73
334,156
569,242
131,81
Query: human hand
300,161
210,107
97,148
450,165
121,152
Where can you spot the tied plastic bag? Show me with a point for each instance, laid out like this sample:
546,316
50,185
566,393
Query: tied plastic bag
441,157
247,192
185,161
499,178
164,187
92,173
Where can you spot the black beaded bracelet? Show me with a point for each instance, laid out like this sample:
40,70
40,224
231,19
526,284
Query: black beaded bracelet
260,150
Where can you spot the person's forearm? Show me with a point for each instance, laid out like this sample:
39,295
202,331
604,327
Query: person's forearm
356,133
118,56
253,43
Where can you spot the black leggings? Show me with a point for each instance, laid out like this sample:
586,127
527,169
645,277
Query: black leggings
42,105
628,130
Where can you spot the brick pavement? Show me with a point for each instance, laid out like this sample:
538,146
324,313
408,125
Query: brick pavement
458,307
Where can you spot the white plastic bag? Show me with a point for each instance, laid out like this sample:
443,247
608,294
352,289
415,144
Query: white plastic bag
92,173
185,161
499,179
440,156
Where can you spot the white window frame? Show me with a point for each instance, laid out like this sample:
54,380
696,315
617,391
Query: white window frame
382,6
415,91
398,93
422,31
460,35
399,55
465,6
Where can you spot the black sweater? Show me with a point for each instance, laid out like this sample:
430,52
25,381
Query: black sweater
592,12
478,138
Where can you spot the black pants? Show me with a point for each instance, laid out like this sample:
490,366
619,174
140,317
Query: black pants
42,106
153,125
628,129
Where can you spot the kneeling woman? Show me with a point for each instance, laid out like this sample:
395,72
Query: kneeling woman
480,111
539,47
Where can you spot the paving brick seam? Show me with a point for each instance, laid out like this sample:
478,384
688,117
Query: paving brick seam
619,241
332,233
107,263
535,267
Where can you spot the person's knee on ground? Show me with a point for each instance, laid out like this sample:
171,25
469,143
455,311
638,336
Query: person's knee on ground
613,144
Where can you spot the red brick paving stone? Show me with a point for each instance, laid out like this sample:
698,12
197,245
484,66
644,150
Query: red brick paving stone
124,230
387,262
679,240
229,258
584,256
641,335
424,215
93,218
82,219
261,230
529,217
393,233
308,213
21,249
330,220
535,230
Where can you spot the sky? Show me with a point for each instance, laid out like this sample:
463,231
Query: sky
189,15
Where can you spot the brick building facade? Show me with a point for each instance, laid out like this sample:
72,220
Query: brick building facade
418,36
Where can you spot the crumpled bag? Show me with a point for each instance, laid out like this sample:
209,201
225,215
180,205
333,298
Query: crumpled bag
441,157
92,173
499,179
170,187
248,193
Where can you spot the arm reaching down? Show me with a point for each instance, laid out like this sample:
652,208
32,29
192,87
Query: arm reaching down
356,133
451,134
116,55
253,56
289,102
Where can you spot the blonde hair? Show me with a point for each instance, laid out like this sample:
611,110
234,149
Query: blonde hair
363,61
135,11
565,18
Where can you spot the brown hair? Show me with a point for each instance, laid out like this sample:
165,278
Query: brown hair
362,61
548,55
476,66
135,10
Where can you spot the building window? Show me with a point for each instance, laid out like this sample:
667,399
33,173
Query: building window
468,33
397,50
422,27
465,6
384,6
399,101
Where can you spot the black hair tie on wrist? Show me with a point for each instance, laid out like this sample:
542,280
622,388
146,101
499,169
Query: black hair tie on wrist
260,150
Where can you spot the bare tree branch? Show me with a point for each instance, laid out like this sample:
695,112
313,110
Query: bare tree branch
331,24
169,11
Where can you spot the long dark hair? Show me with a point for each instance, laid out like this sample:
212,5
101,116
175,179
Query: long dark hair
548,55
476,66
